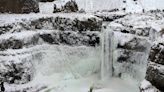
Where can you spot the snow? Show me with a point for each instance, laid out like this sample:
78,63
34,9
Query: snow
47,7
58,83
146,86
19,35
99,5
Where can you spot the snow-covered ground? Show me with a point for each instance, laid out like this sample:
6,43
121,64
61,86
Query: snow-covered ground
99,5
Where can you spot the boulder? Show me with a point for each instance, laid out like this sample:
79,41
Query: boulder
19,6
71,6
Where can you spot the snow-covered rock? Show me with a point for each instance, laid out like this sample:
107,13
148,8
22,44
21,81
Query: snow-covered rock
70,6
74,29
71,38
63,22
155,69
146,86
18,40
110,15
15,71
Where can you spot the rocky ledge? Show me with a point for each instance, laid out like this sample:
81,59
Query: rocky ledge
155,69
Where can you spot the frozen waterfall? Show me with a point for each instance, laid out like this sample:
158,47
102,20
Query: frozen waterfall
123,55
107,54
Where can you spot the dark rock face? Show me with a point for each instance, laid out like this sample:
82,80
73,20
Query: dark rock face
155,74
46,0
71,38
155,70
19,6
13,72
135,44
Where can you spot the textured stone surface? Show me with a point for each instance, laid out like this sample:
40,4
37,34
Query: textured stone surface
16,72
155,69
135,44
19,6
110,15
14,41
155,74
70,6
157,53
56,22
71,38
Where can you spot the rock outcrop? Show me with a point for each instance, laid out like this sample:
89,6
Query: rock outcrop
70,6
76,22
19,6
155,70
